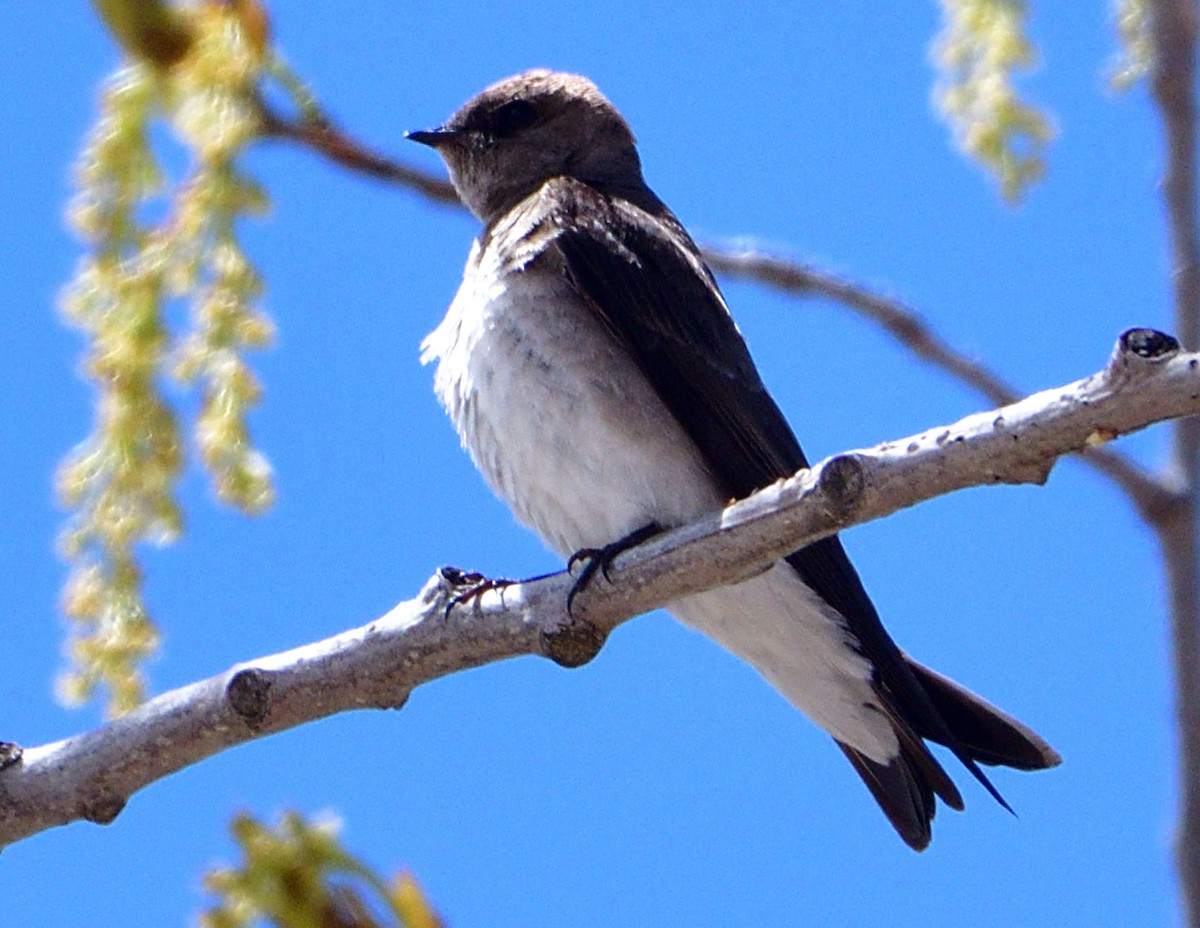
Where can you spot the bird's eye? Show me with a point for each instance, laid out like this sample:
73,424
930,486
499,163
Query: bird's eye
512,117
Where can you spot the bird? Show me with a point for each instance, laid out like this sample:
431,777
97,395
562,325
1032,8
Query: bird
592,370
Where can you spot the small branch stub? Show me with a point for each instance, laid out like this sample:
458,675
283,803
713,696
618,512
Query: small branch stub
1148,343
573,644
843,481
104,810
1136,351
248,693
10,754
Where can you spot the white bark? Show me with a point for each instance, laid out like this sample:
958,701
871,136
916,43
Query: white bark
90,776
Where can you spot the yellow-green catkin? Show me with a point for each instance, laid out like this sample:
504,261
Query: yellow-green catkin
215,116
1136,56
981,47
298,875
152,243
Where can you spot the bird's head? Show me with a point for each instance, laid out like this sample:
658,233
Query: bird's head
517,134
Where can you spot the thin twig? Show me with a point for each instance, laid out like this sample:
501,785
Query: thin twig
901,322
1174,32
92,775
340,148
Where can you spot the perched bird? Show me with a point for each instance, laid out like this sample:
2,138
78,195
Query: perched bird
595,375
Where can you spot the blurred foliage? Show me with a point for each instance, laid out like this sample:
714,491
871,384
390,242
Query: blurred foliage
152,244
1136,57
299,876
151,31
979,50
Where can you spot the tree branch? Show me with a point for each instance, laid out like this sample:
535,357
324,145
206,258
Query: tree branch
91,776
898,320
1174,26
331,142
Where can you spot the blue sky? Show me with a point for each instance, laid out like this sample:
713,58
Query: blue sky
664,783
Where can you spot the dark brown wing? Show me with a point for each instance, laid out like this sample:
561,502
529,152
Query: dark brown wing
644,277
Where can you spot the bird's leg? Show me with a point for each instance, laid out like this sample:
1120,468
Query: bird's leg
599,559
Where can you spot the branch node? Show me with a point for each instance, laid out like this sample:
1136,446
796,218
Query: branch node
843,480
573,644
1036,473
1137,350
104,810
10,754
248,692
1149,344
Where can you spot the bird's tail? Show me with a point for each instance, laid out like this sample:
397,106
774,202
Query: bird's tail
988,734
905,788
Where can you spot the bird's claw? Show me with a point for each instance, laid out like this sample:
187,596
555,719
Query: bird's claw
472,584
600,559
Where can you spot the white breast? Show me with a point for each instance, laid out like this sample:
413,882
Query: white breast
559,420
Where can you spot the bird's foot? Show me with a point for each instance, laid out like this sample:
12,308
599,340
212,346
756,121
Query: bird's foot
469,586
600,559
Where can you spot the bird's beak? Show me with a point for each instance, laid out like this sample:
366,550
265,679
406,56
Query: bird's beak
434,138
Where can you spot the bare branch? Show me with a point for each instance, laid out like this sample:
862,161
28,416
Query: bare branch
91,776
900,321
325,138
1174,25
